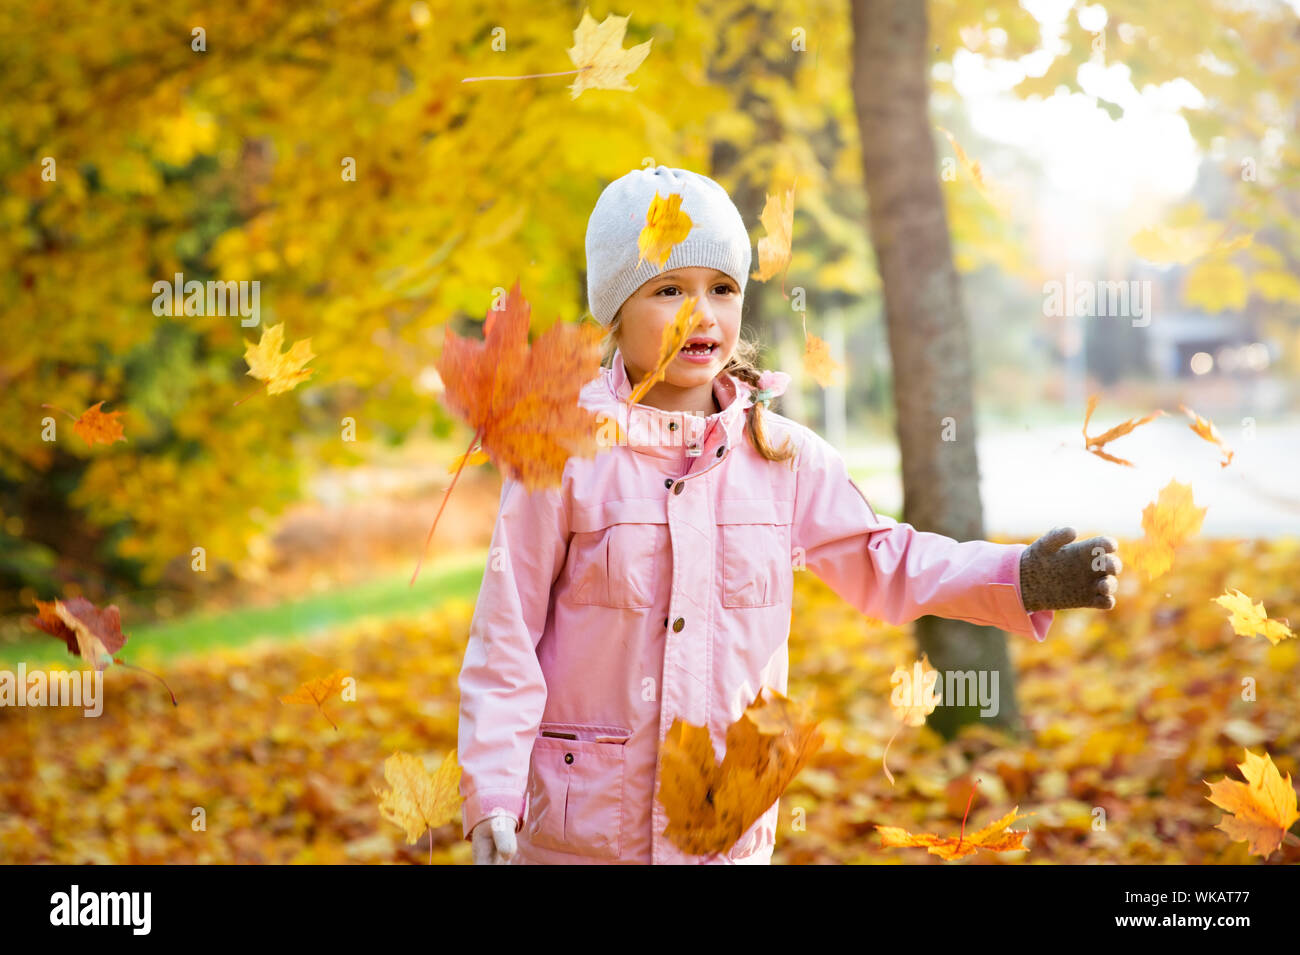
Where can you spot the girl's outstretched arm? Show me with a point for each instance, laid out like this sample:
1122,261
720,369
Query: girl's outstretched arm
502,689
892,571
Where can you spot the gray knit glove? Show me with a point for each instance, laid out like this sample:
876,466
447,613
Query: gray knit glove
1058,575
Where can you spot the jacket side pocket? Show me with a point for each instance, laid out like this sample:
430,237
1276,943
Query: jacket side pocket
575,791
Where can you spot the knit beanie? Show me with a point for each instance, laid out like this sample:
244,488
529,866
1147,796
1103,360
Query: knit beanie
718,238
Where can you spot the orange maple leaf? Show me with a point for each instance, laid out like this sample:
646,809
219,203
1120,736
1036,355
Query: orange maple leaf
1264,805
1096,443
521,400
1206,429
774,249
665,226
818,363
711,805
318,692
995,837
99,426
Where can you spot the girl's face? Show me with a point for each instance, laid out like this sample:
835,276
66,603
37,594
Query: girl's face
654,305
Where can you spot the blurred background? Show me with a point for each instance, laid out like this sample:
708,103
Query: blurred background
333,154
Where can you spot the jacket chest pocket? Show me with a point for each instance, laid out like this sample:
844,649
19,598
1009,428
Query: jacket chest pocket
575,789
754,552
616,552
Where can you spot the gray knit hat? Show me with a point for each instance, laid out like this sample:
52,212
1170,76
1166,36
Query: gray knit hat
718,238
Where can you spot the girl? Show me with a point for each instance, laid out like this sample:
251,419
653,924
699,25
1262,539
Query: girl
657,581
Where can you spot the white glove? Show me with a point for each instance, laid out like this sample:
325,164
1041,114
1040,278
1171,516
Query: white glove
492,840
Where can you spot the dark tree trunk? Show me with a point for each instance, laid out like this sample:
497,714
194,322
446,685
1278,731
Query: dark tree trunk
929,338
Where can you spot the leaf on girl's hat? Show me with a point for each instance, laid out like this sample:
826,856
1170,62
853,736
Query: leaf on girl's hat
1206,429
995,837
818,363
1249,619
281,371
1168,521
1264,805
674,337
99,427
1096,443
598,52
711,805
521,399
665,226
419,800
774,248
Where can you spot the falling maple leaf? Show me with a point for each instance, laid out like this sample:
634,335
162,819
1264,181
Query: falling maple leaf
1209,432
912,700
818,363
95,426
469,458
711,805
665,226
774,248
521,400
318,692
1096,443
420,800
94,635
281,371
972,168
673,338
1181,245
1261,809
1168,521
1249,619
995,837
598,54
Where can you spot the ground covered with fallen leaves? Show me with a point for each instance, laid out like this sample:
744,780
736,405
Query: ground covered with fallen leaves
1126,711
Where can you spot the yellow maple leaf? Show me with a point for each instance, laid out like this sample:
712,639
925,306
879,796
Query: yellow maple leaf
1181,245
318,691
420,800
774,248
972,169
710,805
598,52
1264,805
995,837
818,363
1249,619
665,226
674,337
1168,521
281,371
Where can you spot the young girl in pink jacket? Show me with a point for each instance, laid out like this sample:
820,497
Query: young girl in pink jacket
657,581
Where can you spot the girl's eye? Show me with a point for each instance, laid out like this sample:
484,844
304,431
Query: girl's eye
724,287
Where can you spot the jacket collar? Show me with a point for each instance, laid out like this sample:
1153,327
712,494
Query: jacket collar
656,432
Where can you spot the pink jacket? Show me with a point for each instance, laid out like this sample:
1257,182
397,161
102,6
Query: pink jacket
656,582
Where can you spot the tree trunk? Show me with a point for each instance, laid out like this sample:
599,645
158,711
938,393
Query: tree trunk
929,339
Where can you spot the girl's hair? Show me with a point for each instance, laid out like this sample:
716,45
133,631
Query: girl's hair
744,365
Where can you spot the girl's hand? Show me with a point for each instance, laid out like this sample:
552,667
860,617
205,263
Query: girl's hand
1058,575
492,840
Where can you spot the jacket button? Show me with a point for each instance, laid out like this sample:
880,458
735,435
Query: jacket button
568,757
721,448
677,489
665,622
668,482
678,624
672,425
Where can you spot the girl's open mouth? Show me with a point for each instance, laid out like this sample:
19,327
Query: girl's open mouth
699,352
